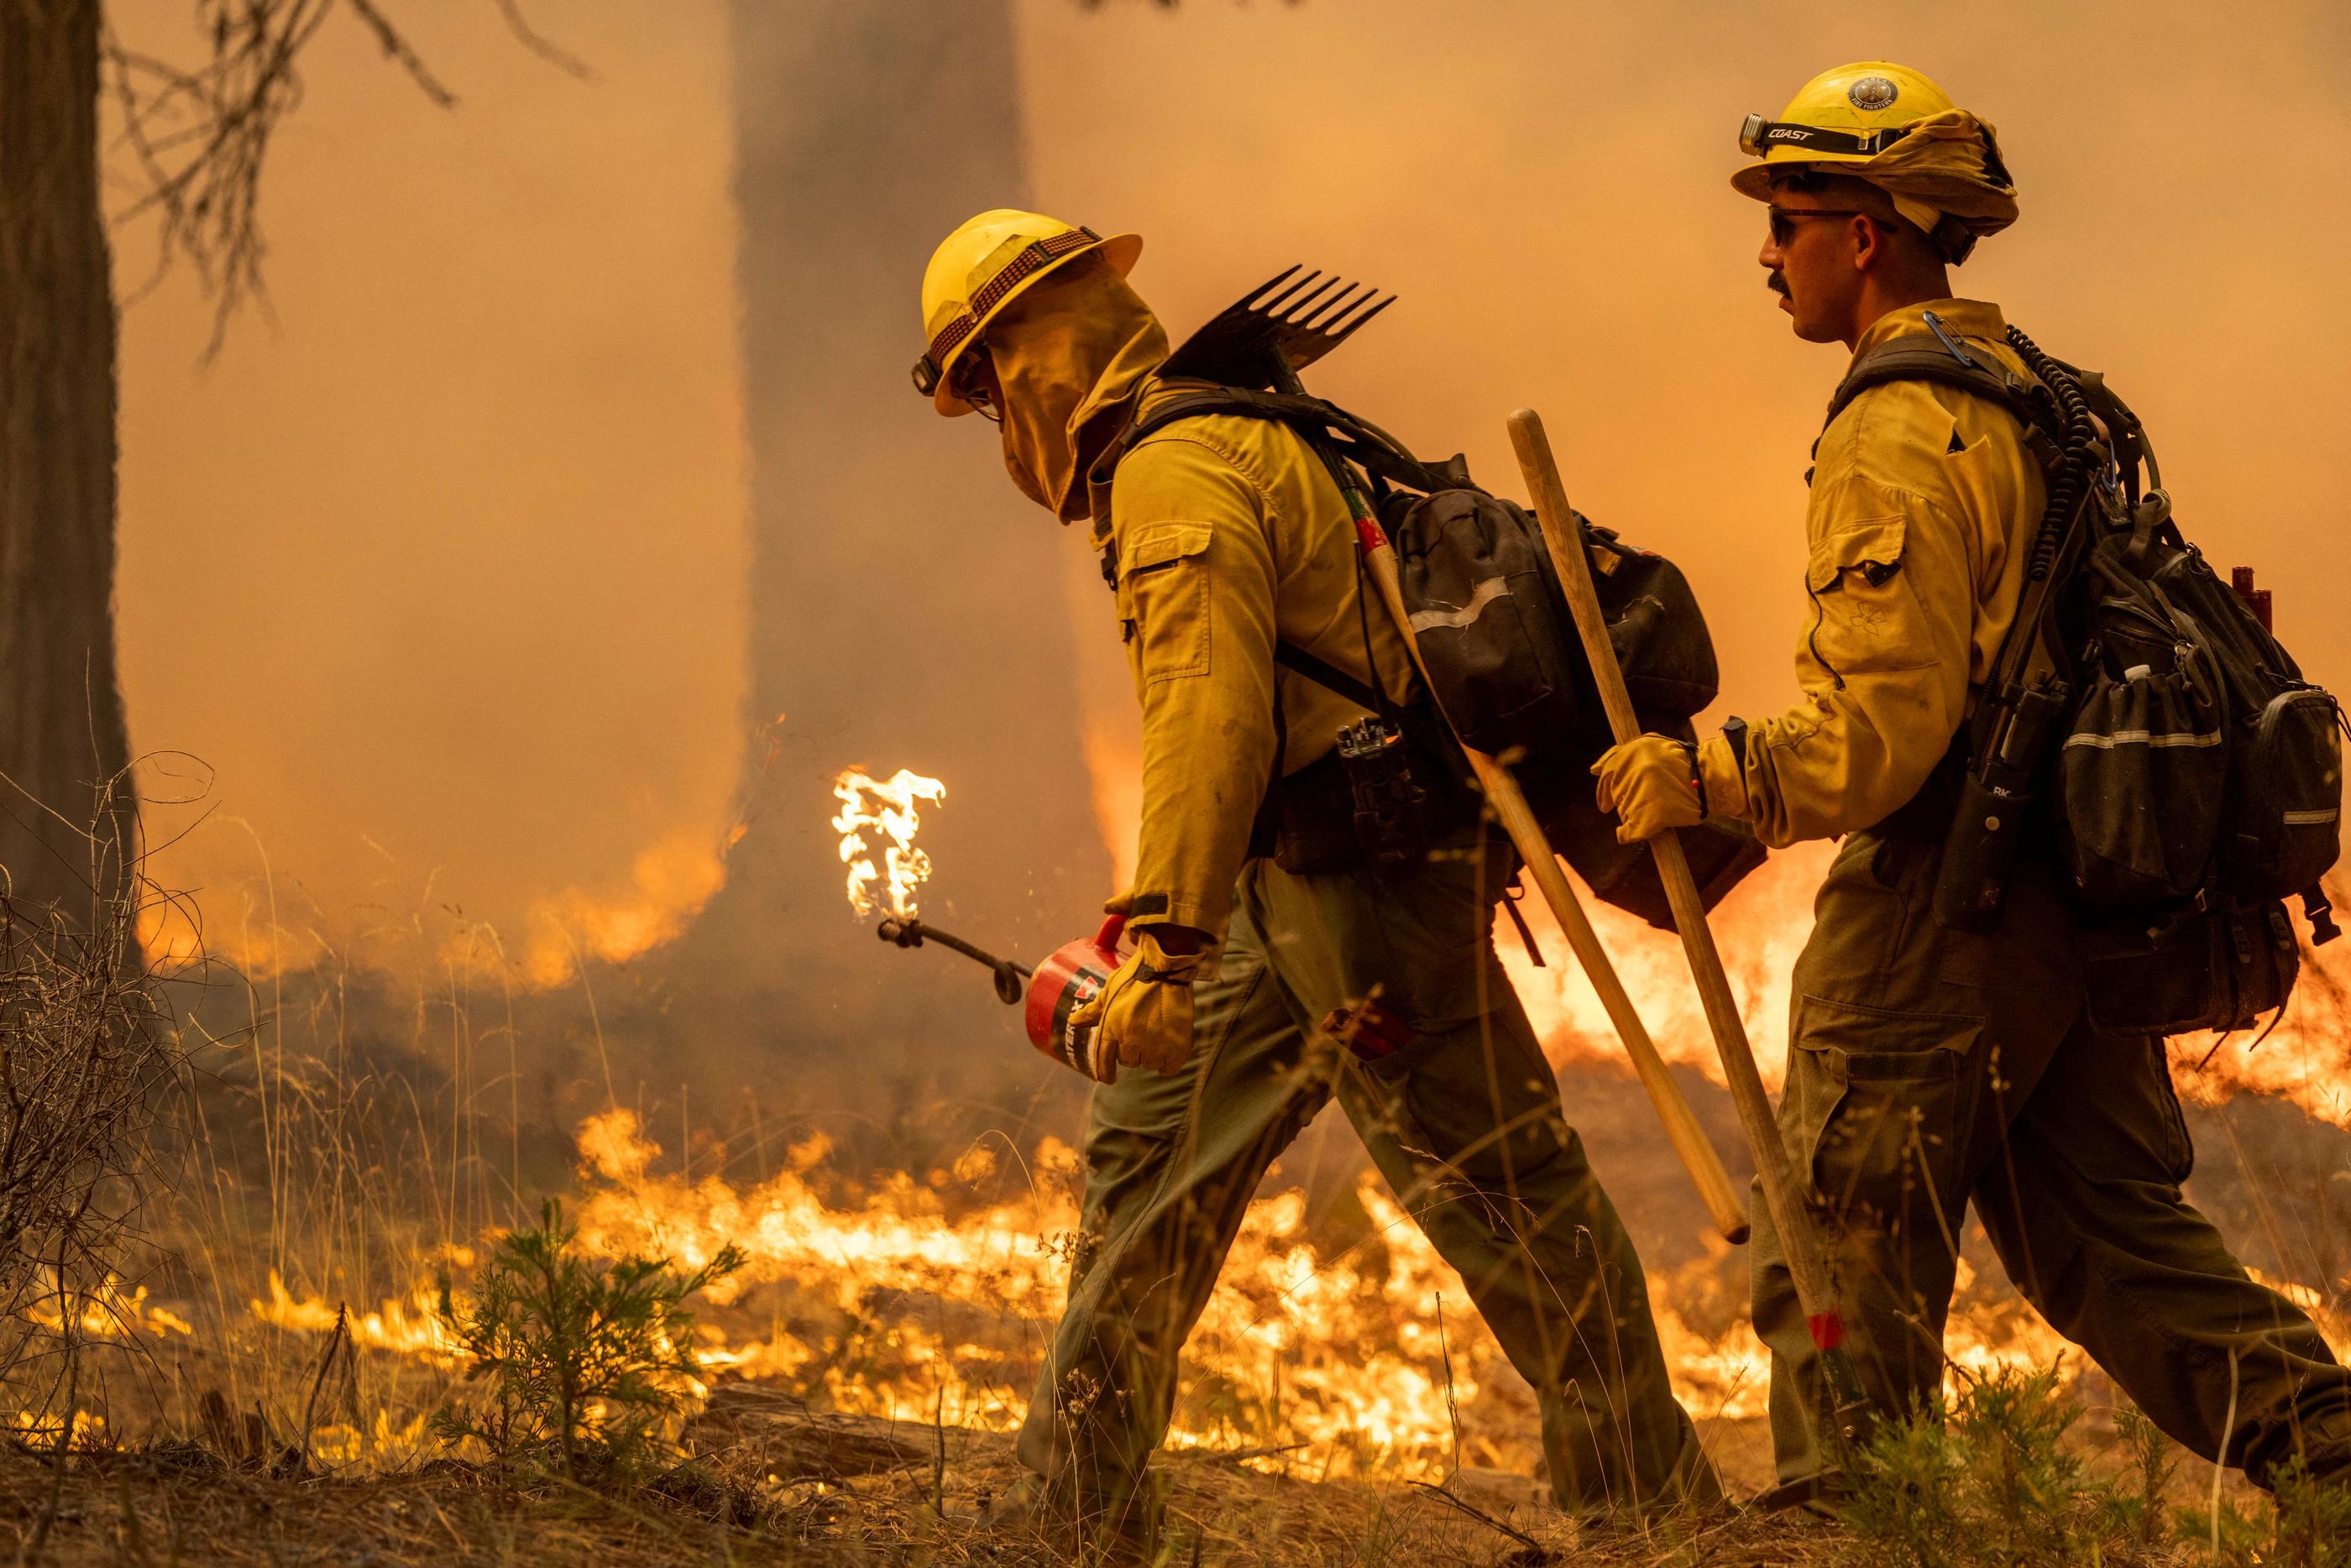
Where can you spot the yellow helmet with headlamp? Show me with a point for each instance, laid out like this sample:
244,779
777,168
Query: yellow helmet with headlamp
1896,129
981,268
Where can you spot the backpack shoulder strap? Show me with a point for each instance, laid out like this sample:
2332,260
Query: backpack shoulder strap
1354,439
1328,676
1933,356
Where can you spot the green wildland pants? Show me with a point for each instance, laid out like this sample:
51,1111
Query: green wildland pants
1465,1124
1931,1068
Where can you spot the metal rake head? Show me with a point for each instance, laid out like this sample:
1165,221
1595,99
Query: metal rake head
1301,318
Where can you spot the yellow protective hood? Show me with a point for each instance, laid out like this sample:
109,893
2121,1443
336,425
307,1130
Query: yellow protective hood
1945,165
1083,347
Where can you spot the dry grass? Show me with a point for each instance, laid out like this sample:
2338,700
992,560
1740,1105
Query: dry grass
181,1504
772,1481
87,1062
345,1141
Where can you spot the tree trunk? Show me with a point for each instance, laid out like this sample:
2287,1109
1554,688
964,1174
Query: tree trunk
63,747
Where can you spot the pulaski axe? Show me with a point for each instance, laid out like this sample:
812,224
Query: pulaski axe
1265,339
1783,1195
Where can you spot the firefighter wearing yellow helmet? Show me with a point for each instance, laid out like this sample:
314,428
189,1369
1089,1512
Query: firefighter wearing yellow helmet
1934,1067
1258,926
1893,127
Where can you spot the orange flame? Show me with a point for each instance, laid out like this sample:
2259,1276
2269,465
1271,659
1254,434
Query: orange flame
671,881
408,1326
898,1303
887,808
109,1311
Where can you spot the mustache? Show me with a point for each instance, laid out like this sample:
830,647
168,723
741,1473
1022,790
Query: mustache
1778,284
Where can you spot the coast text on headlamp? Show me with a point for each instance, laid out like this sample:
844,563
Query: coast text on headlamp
1757,136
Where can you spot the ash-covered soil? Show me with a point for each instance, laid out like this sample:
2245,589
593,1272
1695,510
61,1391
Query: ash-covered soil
778,1484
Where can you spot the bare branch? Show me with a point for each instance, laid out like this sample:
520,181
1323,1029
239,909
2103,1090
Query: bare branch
539,44
198,137
397,48
89,1059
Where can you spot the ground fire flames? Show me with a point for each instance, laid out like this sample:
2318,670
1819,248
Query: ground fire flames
926,1299
1336,1345
887,809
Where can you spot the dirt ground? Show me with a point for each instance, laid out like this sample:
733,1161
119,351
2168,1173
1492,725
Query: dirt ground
183,1506
780,1485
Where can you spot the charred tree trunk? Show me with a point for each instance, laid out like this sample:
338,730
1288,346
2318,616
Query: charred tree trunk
63,746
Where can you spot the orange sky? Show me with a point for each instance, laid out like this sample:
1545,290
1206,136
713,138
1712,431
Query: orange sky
1545,186
443,569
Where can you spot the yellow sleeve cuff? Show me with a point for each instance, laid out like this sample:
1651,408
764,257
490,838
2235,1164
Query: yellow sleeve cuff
1719,774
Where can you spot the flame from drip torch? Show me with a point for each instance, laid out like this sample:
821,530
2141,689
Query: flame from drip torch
886,809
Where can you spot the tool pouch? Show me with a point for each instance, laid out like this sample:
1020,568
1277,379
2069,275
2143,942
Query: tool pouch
1391,812
2145,764
1489,636
1499,642
2211,962
1307,825
1383,812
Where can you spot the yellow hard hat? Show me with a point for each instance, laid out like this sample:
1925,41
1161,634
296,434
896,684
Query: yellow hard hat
1895,128
982,267
1848,115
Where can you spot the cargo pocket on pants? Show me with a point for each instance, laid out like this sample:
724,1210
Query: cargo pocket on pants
1881,1096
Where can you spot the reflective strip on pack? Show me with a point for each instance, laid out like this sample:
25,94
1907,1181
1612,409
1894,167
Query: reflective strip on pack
2140,738
2309,818
1484,594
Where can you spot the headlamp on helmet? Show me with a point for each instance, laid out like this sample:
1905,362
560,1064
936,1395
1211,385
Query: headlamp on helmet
977,271
1757,136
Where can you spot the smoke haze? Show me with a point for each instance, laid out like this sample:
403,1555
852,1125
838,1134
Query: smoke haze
440,563
1546,187
578,451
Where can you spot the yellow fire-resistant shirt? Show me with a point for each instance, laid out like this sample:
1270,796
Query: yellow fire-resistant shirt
1228,535
1925,500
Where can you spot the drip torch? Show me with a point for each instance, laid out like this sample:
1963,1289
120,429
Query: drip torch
1070,975
1075,972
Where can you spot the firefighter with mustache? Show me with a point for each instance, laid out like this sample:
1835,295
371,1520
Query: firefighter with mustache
1224,540
1931,1068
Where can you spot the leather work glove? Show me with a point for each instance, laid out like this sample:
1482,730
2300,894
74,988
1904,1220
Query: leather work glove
1651,782
1144,1010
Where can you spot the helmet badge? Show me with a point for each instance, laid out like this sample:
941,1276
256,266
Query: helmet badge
1871,94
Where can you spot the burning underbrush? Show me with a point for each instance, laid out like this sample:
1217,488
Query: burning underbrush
909,1286
1350,1352
889,1314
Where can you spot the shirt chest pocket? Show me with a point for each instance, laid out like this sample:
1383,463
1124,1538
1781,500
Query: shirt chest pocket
1162,600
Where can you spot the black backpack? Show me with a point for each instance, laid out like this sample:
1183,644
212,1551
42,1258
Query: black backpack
2197,775
1493,630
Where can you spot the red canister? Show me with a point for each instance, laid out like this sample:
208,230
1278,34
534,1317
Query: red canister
1065,982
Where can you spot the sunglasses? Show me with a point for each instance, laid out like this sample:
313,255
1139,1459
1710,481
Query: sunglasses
1785,219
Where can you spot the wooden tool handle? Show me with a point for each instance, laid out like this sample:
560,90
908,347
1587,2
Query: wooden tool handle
1782,1195
1724,1203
